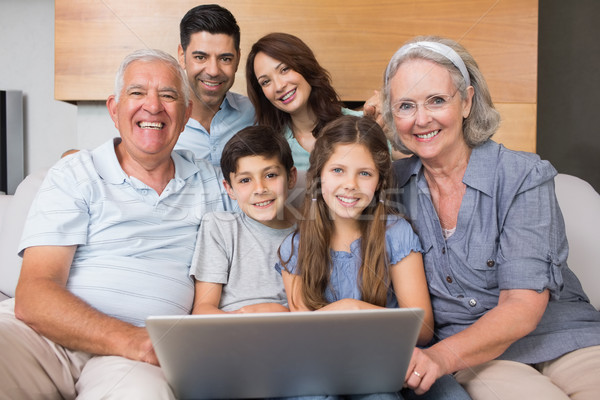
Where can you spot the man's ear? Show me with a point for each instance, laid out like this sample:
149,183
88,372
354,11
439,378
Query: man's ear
111,104
292,177
188,111
229,190
239,57
181,56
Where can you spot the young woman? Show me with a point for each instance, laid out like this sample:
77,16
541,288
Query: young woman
349,251
291,92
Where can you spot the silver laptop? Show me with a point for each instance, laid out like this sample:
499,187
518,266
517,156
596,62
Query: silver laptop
285,354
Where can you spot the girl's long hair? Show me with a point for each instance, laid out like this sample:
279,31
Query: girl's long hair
316,227
293,52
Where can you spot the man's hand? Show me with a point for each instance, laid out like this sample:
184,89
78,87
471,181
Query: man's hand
140,347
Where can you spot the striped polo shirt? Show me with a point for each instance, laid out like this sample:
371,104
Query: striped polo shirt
134,247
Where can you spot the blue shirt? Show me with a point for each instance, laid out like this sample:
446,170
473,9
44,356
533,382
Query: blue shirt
510,234
299,153
134,247
400,242
236,112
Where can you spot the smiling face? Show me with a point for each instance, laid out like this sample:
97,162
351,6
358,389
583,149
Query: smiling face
429,134
285,88
210,61
260,185
349,180
151,112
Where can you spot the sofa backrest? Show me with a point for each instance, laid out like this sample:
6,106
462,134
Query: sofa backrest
11,229
579,202
580,205
4,204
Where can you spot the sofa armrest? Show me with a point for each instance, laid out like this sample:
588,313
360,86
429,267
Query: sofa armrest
5,200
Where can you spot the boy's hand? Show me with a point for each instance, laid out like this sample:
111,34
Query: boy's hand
262,308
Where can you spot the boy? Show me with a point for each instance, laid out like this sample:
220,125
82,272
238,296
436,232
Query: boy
235,253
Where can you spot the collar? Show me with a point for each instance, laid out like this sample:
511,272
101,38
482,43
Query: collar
107,164
231,101
109,169
479,174
481,170
405,168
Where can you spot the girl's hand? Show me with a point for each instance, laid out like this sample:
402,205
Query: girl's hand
423,370
262,308
348,304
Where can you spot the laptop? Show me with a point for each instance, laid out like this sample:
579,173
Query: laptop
285,354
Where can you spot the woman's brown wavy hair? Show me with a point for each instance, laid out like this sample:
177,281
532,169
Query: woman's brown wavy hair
294,53
316,227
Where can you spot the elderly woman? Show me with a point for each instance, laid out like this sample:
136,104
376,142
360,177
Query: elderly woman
510,316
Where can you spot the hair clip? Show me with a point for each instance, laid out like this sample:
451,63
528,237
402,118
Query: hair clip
314,199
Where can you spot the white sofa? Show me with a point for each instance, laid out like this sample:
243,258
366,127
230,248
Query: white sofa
579,202
13,211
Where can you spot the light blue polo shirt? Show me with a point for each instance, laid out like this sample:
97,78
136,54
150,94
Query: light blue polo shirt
134,247
236,113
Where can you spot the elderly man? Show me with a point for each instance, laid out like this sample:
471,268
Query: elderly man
108,242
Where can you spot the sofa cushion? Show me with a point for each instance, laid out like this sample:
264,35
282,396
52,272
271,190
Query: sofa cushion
12,228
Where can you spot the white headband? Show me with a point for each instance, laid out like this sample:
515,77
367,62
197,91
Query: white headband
438,48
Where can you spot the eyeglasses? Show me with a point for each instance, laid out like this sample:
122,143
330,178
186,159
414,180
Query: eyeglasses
435,103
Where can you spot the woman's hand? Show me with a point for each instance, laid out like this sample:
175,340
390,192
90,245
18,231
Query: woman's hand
372,107
424,369
517,314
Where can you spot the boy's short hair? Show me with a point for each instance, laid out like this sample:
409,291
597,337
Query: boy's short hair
258,140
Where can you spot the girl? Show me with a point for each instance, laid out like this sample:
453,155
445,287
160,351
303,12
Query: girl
349,251
291,92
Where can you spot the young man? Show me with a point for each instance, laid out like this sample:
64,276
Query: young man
210,54
235,254
109,241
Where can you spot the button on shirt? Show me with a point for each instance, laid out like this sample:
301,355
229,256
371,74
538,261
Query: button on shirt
236,113
510,234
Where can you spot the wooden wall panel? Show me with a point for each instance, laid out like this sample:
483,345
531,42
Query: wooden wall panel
353,39
518,126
